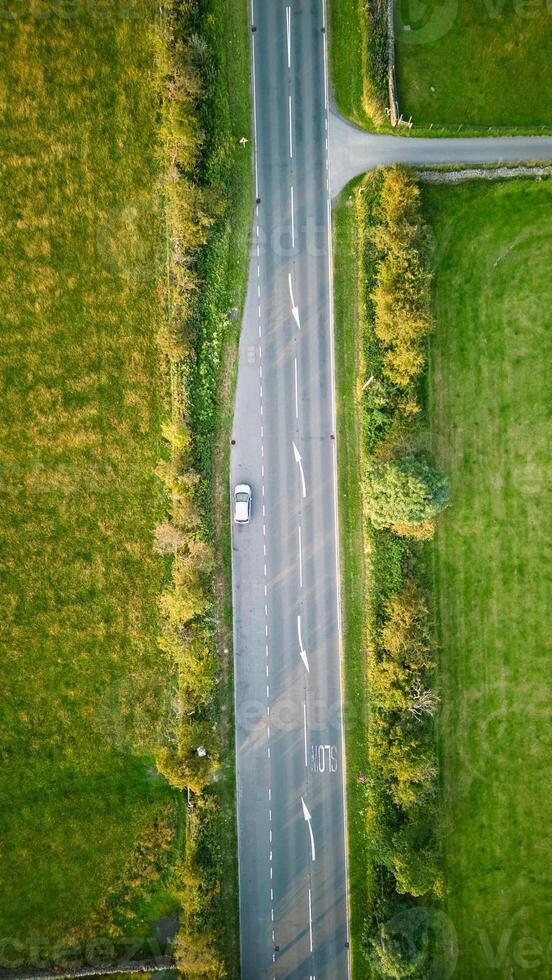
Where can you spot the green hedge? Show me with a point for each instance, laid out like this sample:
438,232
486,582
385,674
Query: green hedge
401,779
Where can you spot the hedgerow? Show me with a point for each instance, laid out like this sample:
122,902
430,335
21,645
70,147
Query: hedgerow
199,193
402,495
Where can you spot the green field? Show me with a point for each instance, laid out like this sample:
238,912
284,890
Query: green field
490,366
475,63
86,825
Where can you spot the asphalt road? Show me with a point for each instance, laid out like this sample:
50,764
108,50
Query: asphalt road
290,760
353,151
291,812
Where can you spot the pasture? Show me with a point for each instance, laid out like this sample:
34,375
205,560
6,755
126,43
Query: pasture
489,433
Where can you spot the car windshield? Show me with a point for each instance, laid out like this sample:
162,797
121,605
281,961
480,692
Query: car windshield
242,496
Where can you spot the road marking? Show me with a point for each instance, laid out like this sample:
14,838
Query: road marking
292,220
296,391
310,918
300,556
336,514
305,732
308,820
290,129
254,73
302,651
325,56
294,308
288,33
297,456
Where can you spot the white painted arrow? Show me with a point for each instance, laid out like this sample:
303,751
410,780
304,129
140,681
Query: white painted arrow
297,456
294,308
308,819
302,651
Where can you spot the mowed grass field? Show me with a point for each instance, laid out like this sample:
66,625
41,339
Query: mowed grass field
87,829
475,63
490,419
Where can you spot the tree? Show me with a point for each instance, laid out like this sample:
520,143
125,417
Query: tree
405,633
193,760
414,861
408,492
410,768
394,953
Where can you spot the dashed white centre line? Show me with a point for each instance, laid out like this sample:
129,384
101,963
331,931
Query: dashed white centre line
310,920
290,113
296,390
288,34
292,218
299,533
305,733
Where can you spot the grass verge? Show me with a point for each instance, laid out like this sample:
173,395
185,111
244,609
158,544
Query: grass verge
233,267
347,232
489,431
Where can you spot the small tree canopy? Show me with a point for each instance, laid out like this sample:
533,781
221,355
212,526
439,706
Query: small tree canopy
406,491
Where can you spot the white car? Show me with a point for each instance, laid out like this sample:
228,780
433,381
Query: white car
242,503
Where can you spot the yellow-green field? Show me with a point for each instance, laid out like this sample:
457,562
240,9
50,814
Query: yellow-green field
87,828
490,368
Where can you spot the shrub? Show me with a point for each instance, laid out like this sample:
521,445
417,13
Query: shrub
406,492
394,953
195,957
401,292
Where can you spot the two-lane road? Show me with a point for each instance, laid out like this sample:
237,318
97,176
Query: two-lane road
291,813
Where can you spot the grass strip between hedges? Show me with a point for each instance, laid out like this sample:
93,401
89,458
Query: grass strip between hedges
348,305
